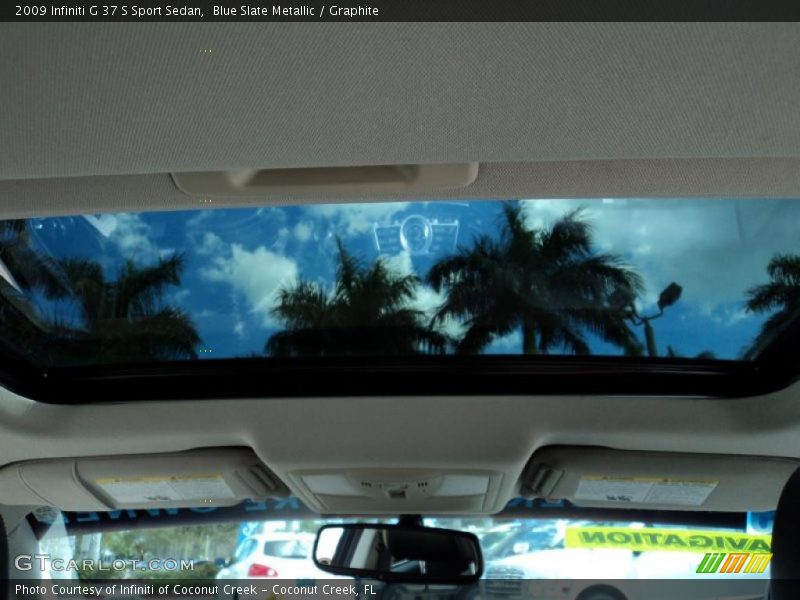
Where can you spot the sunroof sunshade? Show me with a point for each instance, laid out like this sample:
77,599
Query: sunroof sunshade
690,278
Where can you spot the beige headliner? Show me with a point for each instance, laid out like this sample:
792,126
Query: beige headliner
83,99
491,433
776,178
94,117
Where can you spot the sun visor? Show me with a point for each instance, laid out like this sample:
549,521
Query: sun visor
603,477
204,477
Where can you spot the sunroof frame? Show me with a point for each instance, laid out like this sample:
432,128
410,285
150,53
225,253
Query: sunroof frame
410,376
775,367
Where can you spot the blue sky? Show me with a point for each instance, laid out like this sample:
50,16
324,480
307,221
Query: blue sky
237,259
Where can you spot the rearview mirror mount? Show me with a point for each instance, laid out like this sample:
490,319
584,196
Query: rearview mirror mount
399,553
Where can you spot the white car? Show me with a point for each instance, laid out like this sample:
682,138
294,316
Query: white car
274,555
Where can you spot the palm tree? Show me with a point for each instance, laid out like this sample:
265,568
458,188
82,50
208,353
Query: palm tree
366,313
21,265
704,355
549,283
124,320
23,271
781,293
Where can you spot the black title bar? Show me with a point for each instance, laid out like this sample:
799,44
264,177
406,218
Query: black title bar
404,10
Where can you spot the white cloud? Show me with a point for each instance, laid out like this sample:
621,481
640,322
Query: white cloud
303,231
133,237
735,315
400,263
198,219
256,275
238,329
210,244
426,300
180,295
352,219
104,224
715,249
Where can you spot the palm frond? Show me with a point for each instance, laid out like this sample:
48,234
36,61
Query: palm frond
347,270
87,286
14,229
549,279
30,270
781,294
138,290
367,314
570,237
303,305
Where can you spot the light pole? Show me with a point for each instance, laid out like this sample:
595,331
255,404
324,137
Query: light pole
624,300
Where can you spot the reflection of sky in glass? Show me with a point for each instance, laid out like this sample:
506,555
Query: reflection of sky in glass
237,259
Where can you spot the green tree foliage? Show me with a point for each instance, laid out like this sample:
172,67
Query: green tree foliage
202,544
120,320
547,282
781,296
24,271
28,269
704,355
124,319
367,313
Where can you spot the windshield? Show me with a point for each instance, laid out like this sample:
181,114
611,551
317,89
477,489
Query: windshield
296,548
517,552
610,277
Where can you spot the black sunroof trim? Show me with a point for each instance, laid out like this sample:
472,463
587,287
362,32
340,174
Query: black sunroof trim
411,376
774,368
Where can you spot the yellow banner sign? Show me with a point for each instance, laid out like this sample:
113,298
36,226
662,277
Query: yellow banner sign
679,540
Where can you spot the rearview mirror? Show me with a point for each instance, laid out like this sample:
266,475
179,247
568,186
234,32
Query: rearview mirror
399,553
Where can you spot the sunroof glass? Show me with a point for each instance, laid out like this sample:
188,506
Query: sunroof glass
690,278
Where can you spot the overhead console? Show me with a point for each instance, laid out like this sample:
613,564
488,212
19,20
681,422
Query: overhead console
608,478
377,179
399,491
203,477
